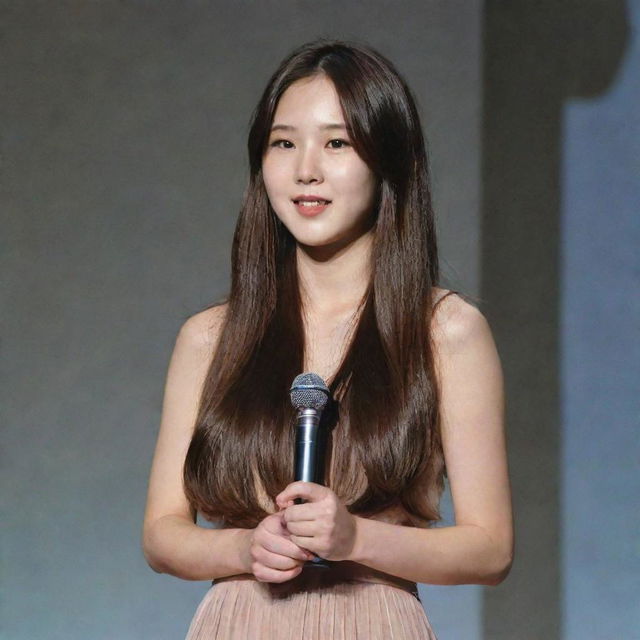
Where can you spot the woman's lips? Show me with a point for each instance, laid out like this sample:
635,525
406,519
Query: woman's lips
311,209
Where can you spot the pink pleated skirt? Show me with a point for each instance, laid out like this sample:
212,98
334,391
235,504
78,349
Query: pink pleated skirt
348,603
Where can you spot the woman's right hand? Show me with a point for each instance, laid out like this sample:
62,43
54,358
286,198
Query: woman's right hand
271,556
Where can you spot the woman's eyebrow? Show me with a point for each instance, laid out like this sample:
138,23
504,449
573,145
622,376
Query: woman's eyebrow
324,127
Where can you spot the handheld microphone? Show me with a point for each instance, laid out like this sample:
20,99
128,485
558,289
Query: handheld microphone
309,395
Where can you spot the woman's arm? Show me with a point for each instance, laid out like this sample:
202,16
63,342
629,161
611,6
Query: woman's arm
171,541
175,545
462,554
479,548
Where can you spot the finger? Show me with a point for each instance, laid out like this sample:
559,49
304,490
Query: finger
264,574
298,512
305,528
275,524
306,542
283,547
307,490
277,561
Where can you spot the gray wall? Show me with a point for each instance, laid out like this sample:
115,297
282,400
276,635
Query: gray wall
560,267
123,164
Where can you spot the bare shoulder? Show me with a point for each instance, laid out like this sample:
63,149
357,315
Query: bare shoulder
472,412
457,324
202,329
188,367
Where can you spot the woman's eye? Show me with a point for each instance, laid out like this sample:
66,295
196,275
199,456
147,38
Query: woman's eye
278,143
337,143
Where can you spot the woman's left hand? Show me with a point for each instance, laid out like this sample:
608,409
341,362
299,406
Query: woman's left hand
321,525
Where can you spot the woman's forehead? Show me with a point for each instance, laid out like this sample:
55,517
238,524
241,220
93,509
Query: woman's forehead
308,102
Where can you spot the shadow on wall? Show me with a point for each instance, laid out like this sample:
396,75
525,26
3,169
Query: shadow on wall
536,56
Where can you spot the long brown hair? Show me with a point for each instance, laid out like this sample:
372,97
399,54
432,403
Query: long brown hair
384,433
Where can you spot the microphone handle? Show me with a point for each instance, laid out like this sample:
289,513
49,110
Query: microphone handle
307,434
306,460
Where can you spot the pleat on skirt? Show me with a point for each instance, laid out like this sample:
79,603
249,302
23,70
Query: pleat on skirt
242,608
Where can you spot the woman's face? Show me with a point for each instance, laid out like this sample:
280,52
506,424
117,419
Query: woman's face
309,154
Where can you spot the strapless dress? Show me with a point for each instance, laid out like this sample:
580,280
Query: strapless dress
347,601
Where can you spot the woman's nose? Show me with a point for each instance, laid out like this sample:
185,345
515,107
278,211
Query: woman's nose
308,166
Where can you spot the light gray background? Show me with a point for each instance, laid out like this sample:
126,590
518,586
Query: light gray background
123,165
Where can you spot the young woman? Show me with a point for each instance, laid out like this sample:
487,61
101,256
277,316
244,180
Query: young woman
334,271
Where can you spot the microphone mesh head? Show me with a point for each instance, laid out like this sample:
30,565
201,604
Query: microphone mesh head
309,391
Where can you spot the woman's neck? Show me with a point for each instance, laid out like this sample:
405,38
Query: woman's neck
334,281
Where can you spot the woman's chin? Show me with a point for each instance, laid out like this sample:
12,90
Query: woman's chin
326,248
315,242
